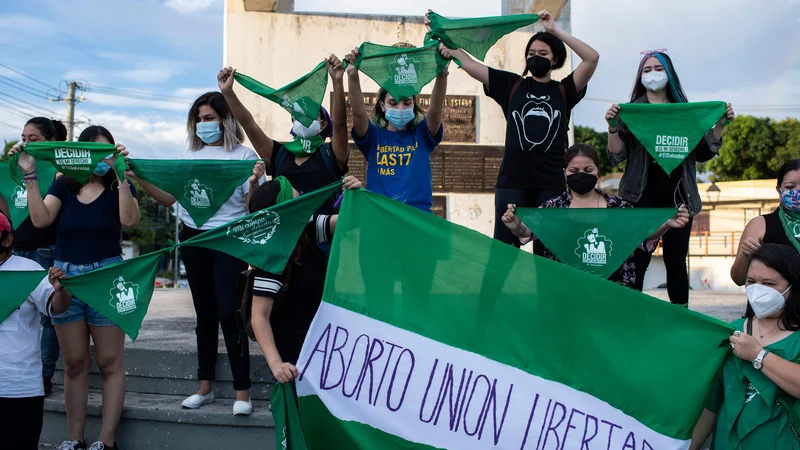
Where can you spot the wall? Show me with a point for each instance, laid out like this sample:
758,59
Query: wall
707,273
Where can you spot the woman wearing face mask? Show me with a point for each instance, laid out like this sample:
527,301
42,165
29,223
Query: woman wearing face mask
90,220
308,169
777,227
753,404
646,184
537,111
214,133
399,139
580,168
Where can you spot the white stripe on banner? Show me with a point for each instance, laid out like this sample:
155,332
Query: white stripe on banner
426,392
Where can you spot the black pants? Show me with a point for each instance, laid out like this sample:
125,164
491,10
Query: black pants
523,198
212,279
21,422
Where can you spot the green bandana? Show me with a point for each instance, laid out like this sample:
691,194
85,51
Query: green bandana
16,287
476,36
791,226
76,160
266,238
596,240
200,186
287,191
120,292
16,194
670,131
286,416
301,147
302,98
403,72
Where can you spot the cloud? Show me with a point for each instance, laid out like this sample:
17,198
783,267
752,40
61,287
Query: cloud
189,6
192,93
146,136
149,74
116,101
18,28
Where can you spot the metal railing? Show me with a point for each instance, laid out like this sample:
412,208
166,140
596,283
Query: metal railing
717,243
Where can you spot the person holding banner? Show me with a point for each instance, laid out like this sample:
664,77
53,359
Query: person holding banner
214,133
318,154
754,402
581,171
644,183
781,226
537,109
21,393
399,139
285,304
90,220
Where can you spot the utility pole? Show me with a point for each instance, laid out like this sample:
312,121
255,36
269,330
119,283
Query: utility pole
71,99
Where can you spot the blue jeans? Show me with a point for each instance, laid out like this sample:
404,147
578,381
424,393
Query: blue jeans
79,310
50,348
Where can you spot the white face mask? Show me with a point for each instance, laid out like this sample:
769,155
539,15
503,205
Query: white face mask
654,81
306,132
765,301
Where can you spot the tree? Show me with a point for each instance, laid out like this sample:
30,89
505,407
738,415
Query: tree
6,147
599,141
156,226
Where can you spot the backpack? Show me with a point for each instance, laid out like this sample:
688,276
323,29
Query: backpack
244,290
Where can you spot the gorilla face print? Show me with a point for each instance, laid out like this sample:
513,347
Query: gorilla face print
537,124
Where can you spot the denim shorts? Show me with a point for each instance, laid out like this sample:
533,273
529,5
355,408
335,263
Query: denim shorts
79,310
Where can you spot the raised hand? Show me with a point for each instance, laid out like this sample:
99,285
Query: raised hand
611,114
547,20
334,65
225,79
729,115
351,60
26,162
259,169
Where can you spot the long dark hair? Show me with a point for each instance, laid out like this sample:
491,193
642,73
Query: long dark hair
581,149
557,48
266,196
785,260
675,92
51,129
789,166
90,134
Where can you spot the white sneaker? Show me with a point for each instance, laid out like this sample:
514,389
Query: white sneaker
241,408
196,401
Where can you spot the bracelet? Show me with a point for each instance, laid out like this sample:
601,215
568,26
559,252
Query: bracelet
30,179
29,174
614,131
124,186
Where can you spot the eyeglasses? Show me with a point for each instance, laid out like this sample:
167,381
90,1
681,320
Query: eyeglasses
650,52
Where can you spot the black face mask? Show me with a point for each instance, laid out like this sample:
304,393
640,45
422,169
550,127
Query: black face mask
581,182
538,65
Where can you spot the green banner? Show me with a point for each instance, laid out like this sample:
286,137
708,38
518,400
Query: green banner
476,36
16,194
200,186
403,72
302,98
120,292
266,238
76,160
17,285
288,429
670,131
596,240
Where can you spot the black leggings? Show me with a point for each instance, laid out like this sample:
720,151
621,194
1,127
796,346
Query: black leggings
212,277
21,420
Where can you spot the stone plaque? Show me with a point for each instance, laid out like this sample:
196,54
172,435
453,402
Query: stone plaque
459,115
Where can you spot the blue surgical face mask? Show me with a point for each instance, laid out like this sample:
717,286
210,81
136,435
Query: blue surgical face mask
102,168
399,117
208,132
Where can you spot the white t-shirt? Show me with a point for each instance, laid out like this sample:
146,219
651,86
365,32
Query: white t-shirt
235,207
20,349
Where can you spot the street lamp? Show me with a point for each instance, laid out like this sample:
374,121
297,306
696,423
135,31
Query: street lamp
712,193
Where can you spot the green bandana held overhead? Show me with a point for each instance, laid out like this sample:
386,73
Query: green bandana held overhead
288,429
200,186
120,292
449,353
16,194
403,72
266,238
301,147
670,131
476,36
791,226
76,160
16,287
595,240
302,98
287,191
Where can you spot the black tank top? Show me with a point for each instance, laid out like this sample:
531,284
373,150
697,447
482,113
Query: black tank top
774,232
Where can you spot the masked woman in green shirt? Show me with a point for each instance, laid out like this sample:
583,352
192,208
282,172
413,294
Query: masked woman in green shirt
753,404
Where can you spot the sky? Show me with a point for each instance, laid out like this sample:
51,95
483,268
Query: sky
144,61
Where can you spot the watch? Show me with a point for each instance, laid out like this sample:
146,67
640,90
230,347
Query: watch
758,363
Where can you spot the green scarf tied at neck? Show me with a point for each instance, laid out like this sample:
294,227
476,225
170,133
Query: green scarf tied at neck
791,226
287,191
76,160
302,147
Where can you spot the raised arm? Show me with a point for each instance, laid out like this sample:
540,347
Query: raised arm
262,310
43,212
679,220
473,68
261,142
615,144
589,56
356,96
750,241
339,111
129,213
436,107
255,180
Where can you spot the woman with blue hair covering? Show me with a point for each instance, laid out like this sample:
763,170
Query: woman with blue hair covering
646,184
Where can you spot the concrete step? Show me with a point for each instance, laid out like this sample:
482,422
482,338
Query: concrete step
155,422
170,372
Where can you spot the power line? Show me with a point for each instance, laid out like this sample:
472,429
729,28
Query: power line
20,108
39,108
14,111
140,95
9,125
27,76
26,89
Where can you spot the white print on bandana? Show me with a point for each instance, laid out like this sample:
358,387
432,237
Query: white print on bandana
537,124
594,248
404,70
20,197
123,296
198,194
257,229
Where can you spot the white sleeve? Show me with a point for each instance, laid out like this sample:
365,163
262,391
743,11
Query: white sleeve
41,296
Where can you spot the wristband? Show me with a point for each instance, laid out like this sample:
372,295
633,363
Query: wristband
614,131
29,174
30,179
124,186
